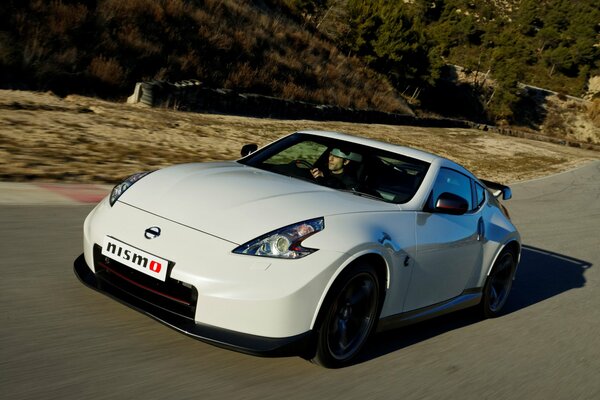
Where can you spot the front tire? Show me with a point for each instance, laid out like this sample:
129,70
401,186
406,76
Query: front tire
498,285
350,314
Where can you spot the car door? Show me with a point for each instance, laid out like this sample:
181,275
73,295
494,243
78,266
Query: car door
448,246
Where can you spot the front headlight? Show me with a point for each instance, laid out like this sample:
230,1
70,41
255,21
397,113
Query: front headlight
126,184
285,242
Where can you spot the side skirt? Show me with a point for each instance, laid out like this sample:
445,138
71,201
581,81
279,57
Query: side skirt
468,298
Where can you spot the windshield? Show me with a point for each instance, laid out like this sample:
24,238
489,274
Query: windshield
341,165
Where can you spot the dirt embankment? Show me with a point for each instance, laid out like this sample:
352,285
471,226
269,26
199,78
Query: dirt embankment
81,139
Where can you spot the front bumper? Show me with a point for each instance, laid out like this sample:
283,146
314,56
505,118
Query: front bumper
232,340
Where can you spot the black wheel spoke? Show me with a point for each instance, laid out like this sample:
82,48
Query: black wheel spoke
342,334
362,294
493,295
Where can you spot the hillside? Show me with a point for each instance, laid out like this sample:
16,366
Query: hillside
391,56
104,47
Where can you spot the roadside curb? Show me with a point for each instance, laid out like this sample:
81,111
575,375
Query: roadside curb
51,193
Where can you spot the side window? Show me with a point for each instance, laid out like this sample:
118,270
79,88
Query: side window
452,182
479,195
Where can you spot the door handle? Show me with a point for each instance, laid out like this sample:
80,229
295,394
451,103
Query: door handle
480,229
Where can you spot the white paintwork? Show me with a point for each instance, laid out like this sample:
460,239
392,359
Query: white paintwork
236,202
205,210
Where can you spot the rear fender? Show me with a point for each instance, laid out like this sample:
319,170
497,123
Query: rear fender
514,246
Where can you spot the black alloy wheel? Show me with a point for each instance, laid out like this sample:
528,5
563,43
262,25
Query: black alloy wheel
350,317
498,285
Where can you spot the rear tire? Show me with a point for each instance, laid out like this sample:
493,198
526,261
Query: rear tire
350,313
498,285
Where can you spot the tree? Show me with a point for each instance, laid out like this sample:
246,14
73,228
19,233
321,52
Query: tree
508,70
390,37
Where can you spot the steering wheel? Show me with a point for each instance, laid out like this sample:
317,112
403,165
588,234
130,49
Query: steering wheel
305,167
305,163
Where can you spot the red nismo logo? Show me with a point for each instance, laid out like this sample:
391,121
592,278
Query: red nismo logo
135,258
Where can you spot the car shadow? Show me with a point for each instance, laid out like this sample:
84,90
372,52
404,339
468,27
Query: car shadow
541,275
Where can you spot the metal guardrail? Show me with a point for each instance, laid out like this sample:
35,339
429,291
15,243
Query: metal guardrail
536,136
190,95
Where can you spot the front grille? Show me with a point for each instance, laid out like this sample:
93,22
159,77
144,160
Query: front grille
171,295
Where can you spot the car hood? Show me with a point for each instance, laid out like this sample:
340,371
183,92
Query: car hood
236,202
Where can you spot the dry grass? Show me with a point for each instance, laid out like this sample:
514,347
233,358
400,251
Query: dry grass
594,112
81,139
577,120
105,47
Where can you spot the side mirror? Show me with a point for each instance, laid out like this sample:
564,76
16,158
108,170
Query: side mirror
249,149
449,203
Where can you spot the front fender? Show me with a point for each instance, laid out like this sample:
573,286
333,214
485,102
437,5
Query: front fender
388,235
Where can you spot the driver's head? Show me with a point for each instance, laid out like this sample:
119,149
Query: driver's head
338,159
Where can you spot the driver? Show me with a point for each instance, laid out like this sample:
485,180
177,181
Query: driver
337,175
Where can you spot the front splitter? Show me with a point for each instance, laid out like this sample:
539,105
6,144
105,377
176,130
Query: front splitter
297,345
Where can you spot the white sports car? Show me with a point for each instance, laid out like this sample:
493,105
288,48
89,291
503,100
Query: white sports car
305,246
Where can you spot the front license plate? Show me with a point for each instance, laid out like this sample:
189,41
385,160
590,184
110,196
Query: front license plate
135,258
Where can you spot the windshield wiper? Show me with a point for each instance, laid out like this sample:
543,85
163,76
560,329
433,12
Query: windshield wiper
363,194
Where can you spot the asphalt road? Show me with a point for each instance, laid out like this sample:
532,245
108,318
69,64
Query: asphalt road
60,339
